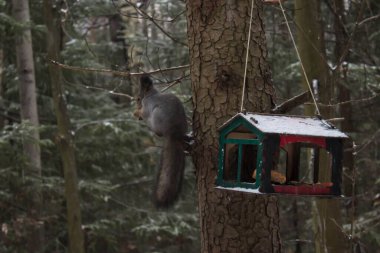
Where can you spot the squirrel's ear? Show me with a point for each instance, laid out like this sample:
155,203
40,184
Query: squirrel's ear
145,83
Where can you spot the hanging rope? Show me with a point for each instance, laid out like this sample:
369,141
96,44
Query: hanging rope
299,58
246,56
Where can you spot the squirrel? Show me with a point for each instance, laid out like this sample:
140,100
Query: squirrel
165,115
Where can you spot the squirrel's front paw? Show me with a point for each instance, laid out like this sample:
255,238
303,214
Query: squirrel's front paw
137,114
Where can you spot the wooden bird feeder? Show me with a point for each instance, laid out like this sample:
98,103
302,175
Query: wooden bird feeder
263,153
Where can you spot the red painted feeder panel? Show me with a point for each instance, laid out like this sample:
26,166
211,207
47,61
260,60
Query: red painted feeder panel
302,189
286,139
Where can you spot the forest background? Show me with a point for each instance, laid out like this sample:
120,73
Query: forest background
116,155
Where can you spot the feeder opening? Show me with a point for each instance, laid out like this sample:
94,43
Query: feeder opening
302,163
240,158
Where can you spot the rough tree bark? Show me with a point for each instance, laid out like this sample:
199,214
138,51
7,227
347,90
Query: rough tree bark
310,42
29,114
64,138
217,36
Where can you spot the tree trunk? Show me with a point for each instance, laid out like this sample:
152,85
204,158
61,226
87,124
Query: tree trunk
64,138
120,57
28,96
340,74
2,109
341,40
344,93
217,36
310,42
29,114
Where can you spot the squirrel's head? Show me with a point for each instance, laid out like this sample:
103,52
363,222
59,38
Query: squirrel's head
146,85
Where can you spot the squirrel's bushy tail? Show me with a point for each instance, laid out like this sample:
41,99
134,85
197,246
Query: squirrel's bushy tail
170,172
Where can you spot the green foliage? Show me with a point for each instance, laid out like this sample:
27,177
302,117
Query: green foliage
116,154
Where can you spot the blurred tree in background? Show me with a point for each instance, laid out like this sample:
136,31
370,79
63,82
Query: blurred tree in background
116,155
349,33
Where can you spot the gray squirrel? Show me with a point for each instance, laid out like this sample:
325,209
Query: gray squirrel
165,116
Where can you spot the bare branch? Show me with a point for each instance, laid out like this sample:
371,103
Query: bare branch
110,92
337,17
371,139
153,20
302,98
178,80
351,37
292,103
335,120
115,72
369,19
350,101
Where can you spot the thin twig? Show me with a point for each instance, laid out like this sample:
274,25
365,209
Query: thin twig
349,102
351,37
110,91
369,19
153,20
292,103
334,120
363,146
115,72
337,17
178,80
348,236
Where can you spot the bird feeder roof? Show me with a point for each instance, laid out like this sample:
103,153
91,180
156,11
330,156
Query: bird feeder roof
289,125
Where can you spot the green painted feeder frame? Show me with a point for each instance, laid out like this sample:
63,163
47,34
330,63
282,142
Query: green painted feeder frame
266,153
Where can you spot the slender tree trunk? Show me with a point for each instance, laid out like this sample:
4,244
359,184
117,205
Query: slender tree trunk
120,57
2,109
310,41
341,40
217,36
28,96
29,114
64,138
345,111
344,93
296,219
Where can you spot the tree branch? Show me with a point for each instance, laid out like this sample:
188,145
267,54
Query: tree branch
153,20
292,103
350,101
369,19
110,92
304,97
115,72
